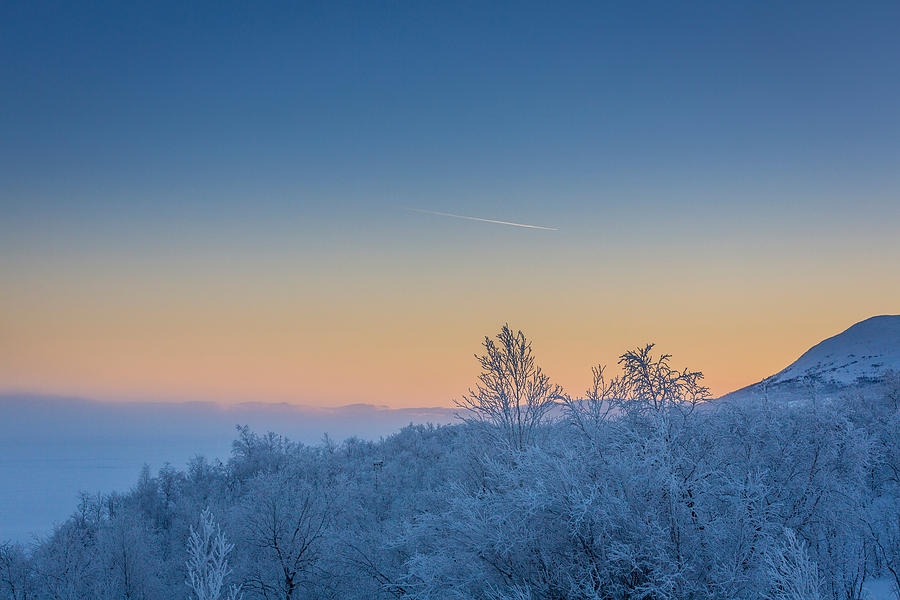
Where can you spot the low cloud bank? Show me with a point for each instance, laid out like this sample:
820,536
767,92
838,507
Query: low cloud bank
53,448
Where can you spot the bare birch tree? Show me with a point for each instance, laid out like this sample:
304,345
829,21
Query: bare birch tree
512,392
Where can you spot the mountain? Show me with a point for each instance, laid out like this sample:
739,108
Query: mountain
860,356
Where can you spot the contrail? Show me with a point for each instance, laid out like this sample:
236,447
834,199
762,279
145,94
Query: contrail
443,214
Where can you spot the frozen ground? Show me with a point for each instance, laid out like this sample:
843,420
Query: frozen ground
881,589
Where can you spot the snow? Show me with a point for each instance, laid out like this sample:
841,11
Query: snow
881,588
774,501
866,350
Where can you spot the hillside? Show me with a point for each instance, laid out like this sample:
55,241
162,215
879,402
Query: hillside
859,356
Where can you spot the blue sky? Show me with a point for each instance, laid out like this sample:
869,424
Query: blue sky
202,149
436,103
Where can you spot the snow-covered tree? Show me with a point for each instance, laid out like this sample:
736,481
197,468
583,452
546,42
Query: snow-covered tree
16,575
512,394
285,520
792,575
638,494
207,563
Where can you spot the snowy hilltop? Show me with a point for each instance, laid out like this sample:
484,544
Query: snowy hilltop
859,356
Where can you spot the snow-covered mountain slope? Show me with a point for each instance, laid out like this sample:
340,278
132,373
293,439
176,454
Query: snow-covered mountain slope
862,352
859,356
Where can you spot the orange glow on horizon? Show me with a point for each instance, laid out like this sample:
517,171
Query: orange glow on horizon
399,328
390,351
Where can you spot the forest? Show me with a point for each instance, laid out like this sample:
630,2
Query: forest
642,487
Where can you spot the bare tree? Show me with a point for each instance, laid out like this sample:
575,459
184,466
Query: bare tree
652,384
512,392
647,385
16,576
63,561
286,522
890,382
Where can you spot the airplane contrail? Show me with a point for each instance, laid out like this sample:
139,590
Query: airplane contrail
468,218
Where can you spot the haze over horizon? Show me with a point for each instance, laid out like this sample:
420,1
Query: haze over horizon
206,202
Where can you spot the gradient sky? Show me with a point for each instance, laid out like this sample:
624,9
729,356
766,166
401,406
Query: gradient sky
211,201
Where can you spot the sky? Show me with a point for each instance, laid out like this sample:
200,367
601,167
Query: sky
232,202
